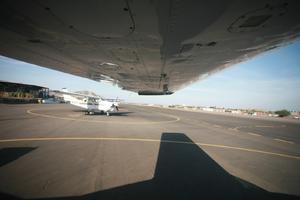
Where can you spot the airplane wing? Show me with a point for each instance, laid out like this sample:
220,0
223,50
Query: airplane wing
75,94
113,100
147,46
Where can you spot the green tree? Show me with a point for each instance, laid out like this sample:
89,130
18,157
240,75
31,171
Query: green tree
282,113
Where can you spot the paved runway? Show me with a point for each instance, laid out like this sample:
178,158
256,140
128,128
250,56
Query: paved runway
58,152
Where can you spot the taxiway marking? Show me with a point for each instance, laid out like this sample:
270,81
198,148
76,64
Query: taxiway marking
175,119
150,140
254,134
285,141
267,126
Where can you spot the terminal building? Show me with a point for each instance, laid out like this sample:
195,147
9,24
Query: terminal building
22,93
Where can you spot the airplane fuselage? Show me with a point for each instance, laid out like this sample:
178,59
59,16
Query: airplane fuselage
91,106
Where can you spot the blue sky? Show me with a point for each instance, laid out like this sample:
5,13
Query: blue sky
270,81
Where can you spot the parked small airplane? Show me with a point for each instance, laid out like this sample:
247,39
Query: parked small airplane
92,103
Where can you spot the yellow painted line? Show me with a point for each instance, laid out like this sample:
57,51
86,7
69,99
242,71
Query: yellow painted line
175,119
264,126
76,138
254,134
150,140
286,141
269,126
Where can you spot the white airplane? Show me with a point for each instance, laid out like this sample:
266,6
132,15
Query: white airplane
152,47
92,104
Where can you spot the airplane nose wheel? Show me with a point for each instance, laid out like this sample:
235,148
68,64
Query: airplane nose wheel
107,114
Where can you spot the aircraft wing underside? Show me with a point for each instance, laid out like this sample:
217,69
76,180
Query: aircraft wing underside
150,47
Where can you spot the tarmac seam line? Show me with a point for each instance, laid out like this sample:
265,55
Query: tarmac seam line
175,119
285,141
150,140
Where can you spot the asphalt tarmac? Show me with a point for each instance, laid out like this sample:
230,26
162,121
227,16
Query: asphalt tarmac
57,152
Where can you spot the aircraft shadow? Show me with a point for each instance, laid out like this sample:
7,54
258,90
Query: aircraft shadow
8,155
119,113
183,171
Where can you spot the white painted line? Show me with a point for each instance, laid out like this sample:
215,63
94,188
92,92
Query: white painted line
285,141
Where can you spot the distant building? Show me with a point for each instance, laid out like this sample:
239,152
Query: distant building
22,93
295,115
236,111
208,109
220,110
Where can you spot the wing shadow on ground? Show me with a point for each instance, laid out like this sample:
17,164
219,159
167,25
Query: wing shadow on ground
183,171
8,155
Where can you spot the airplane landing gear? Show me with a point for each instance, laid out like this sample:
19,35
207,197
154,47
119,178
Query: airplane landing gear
107,113
89,112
